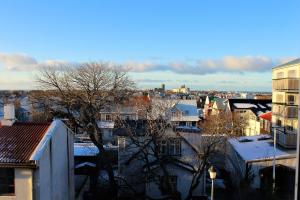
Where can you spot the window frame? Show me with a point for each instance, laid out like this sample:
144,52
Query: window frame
6,174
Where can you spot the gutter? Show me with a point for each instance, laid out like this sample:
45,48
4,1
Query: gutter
30,165
268,159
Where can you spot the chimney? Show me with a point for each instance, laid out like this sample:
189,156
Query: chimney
9,115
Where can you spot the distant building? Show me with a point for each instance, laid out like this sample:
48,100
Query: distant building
285,80
182,90
181,146
246,95
248,111
36,160
184,115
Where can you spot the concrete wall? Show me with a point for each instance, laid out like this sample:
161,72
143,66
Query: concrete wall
54,179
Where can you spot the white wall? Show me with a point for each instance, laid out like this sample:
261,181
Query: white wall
54,179
23,185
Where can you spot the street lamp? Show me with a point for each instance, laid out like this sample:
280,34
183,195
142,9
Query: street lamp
212,175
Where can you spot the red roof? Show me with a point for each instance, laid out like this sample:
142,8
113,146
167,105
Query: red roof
266,116
18,142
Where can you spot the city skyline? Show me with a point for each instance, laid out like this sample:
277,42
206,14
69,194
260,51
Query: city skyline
231,45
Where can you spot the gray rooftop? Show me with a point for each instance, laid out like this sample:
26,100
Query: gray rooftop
293,62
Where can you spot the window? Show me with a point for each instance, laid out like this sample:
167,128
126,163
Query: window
163,147
171,147
289,128
7,181
108,118
164,183
279,75
278,122
175,114
292,74
279,98
291,99
292,112
188,123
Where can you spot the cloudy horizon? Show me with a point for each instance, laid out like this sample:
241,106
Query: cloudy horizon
232,48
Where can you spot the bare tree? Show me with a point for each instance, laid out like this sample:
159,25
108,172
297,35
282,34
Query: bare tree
77,93
146,148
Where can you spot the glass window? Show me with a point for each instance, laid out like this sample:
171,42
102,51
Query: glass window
163,147
292,74
279,98
164,183
7,181
291,99
292,112
171,147
108,118
279,75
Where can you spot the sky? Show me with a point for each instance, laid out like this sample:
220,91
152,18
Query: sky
218,45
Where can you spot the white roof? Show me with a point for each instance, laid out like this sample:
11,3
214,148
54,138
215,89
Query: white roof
244,105
85,149
189,110
258,149
105,124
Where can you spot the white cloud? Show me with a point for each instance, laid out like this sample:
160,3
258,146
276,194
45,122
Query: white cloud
210,66
23,62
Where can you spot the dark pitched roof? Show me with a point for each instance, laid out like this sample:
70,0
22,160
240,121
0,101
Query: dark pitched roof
257,106
293,62
18,142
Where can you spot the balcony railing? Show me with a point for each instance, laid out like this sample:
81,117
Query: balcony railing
285,84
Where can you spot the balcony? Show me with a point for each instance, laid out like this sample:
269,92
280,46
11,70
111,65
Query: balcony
286,84
286,140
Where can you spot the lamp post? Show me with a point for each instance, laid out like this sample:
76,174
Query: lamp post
212,175
274,159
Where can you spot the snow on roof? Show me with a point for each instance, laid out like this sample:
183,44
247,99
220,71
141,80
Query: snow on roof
84,164
244,105
105,124
188,109
258,147
85,149
261,106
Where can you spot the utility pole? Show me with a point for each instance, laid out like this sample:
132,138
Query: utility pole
274,159
298,149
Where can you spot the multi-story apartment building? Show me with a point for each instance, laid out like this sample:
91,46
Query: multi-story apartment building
285,80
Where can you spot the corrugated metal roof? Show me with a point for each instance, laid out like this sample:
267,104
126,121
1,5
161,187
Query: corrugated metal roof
18,142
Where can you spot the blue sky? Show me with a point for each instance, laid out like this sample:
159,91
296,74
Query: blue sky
224,45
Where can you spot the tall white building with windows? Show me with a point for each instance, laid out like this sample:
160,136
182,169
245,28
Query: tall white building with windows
285,81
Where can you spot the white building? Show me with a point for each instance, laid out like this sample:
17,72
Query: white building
253,155
36,161
248,112
182,146
184,113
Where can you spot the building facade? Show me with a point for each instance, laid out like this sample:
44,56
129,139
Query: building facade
285,87
36,160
